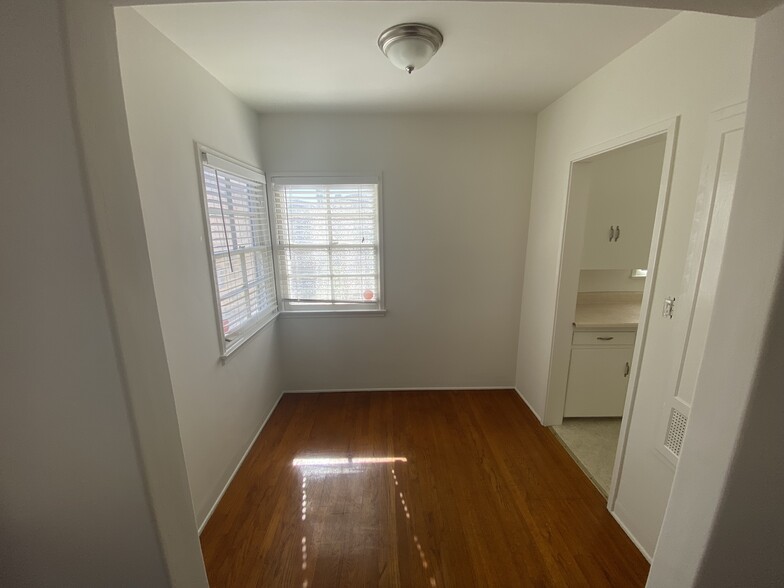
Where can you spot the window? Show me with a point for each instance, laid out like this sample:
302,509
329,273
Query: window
327,243
240,247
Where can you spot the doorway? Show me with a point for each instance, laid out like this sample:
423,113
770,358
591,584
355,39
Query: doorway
613,228
617,201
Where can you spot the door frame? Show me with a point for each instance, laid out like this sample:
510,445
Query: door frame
704,253
568,272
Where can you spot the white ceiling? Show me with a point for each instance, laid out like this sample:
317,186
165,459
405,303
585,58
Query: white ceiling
316,56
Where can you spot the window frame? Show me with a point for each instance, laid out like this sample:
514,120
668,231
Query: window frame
330,309
236,167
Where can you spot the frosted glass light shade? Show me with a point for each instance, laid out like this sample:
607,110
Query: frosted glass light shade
410,53
410,46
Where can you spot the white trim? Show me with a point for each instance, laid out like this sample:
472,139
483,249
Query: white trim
631,536
309,308
239,465
404,389
247,335
646,309
528,404
647,132
316,179
730,119
287,314
722,122
302,176
221,161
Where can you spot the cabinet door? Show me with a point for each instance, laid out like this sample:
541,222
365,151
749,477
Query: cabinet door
598,378
624,193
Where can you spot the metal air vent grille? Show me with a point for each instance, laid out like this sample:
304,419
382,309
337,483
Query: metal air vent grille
676,429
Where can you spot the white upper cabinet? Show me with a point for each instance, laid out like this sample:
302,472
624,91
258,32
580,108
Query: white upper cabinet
622,207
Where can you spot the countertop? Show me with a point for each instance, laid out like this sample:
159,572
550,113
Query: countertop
607,310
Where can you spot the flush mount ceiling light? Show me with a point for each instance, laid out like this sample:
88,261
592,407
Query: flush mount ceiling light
410,46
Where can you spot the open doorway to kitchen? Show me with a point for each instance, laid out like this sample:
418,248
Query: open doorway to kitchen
617,201
618,228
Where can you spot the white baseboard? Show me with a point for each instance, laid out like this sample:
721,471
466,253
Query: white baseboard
236,469
410,389
632,537
528,404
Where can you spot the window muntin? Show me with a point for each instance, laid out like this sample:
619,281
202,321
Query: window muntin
240,247
327,243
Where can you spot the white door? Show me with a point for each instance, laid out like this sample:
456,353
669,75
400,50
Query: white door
706,252
645,468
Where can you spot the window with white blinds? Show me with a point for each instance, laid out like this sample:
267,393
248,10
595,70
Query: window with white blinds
327,243
240,247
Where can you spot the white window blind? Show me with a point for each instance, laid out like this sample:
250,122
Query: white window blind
235,205
327,243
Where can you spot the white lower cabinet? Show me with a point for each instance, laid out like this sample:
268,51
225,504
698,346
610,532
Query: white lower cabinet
598,376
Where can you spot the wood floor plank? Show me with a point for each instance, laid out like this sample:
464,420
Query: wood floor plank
481,495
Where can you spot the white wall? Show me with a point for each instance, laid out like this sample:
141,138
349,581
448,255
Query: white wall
74,508
455,196
609,281
172,102
725,521
691,66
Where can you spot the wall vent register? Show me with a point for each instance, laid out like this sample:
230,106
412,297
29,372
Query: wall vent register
676,429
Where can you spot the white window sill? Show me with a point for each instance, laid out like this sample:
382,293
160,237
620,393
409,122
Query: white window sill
286,314
247,336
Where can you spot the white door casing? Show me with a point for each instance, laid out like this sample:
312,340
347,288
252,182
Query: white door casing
701,272
571,256
656,452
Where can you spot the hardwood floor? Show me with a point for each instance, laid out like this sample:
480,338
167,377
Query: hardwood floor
413,489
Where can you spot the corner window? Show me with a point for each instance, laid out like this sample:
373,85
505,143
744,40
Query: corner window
239,245
327,243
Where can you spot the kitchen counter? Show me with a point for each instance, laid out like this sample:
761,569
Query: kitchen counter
607,310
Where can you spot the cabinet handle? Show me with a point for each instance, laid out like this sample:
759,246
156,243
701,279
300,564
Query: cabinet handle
626,371
612,232
605,338
617,232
